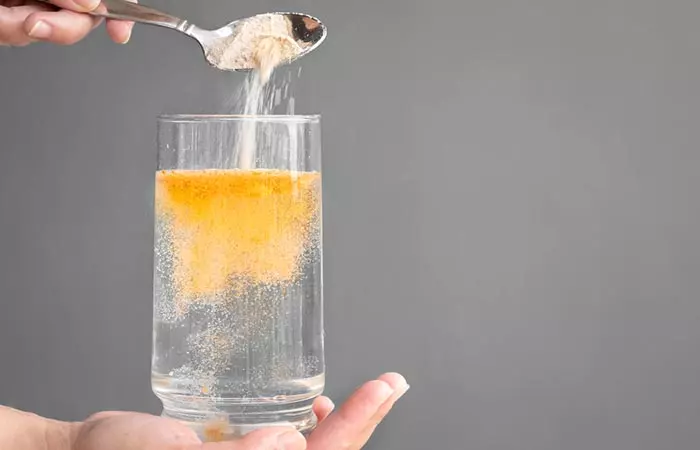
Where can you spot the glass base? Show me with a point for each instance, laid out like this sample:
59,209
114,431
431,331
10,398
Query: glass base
235,421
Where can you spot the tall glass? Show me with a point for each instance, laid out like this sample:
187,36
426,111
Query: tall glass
238,308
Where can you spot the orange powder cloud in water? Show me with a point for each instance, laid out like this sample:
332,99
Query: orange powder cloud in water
236,225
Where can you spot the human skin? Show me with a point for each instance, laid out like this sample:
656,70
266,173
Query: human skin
23,22
349,428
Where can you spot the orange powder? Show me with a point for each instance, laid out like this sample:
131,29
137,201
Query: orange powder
216,431
229,226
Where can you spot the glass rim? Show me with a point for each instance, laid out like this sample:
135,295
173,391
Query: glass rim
278,118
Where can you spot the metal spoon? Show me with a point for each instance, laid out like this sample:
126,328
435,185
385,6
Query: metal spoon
307,31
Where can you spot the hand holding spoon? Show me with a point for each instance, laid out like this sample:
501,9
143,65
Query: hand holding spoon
229,47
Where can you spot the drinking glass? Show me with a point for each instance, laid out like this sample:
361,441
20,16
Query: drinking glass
238,301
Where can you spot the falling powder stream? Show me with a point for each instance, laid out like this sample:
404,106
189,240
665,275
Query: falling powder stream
262,42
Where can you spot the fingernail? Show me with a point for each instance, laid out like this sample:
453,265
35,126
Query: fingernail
126,41
386,392
88,5
40,30
128,36
290,439
401,391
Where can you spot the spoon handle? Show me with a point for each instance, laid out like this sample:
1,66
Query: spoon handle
124,10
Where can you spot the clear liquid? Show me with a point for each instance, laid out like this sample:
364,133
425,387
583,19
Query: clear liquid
246,355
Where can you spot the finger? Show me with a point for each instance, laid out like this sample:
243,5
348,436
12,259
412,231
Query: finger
341,429
323,406
77,5
60,27
277,438
95,420
12,24
400,386
108,415
120,30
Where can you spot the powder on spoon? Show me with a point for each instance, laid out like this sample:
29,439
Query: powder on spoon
261,42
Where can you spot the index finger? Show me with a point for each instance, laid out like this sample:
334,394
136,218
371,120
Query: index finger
400,386
342,428
120,30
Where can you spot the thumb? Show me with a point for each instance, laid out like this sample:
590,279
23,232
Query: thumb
265,439
82,6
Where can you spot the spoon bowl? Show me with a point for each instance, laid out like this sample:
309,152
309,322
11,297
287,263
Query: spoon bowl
303,33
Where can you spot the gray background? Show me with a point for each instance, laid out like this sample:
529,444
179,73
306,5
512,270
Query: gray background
510,215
